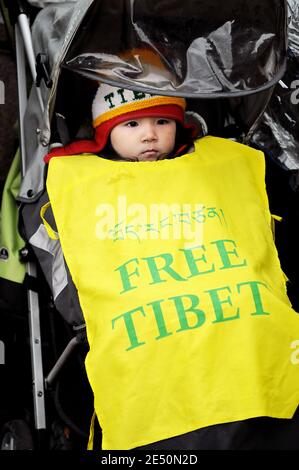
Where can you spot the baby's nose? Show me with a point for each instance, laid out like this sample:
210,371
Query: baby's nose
149,133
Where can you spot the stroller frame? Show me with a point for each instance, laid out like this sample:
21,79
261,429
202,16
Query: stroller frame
24,46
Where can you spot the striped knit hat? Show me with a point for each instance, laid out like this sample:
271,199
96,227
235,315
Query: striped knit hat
113,105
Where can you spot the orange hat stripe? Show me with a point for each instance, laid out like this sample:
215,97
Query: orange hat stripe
140,104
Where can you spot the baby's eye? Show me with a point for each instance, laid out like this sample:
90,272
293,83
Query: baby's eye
131,124
163,121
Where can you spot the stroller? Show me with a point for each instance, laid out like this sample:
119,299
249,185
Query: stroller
70,46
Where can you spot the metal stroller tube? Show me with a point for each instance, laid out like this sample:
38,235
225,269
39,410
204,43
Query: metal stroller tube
50,379
18,16
23,24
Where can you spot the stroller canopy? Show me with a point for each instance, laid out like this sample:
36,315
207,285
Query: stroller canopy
191,48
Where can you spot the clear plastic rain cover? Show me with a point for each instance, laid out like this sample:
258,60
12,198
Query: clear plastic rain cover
278,132
193,48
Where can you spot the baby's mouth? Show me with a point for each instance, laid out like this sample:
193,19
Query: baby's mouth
150,153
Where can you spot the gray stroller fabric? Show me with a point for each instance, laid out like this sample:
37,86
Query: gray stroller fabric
51,261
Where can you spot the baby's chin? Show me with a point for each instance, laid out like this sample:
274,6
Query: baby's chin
150,157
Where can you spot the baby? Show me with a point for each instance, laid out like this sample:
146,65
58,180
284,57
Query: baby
135,126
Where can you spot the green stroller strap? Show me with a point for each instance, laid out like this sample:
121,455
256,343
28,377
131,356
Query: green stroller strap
11,242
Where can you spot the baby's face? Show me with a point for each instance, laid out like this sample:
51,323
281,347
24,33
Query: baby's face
145,140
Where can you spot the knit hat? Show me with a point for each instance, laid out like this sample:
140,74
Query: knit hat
113,105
